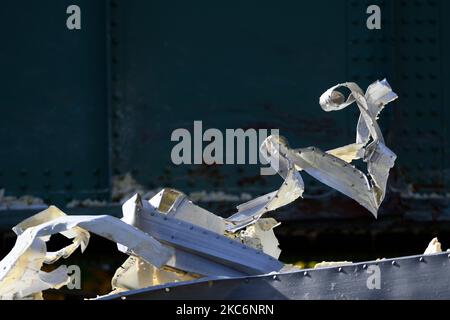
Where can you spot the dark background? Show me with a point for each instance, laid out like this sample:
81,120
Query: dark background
79,107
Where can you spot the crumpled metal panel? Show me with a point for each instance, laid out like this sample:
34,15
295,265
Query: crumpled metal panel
197,249
20,271
415,277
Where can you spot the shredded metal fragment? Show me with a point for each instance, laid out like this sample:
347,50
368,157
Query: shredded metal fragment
20,270
332,167
433,247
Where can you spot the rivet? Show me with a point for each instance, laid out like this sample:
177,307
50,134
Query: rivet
123,298
364,266
305,273
421,259
448,256
394,263
340,270
274,277
167,289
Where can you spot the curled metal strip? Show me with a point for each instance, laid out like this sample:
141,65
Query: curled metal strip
370,144
292,188
333,167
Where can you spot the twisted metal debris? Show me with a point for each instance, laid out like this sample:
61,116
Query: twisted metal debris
333,167
171,239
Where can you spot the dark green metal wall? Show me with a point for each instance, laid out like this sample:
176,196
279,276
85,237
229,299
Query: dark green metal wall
53,101
260,65
231,64
250,64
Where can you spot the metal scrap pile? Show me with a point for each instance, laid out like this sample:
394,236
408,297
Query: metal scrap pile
168,238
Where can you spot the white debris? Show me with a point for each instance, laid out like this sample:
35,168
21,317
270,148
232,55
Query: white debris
261,236
433,247
20,270
175,203
17,203
333,167
292,188
198,247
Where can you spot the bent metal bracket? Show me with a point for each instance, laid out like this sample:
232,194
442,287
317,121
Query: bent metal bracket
170,239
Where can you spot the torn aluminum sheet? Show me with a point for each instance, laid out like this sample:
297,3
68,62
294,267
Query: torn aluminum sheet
433,247
175,204
369,143
290,190
332,167
198,250
193,245
20,270
260,236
